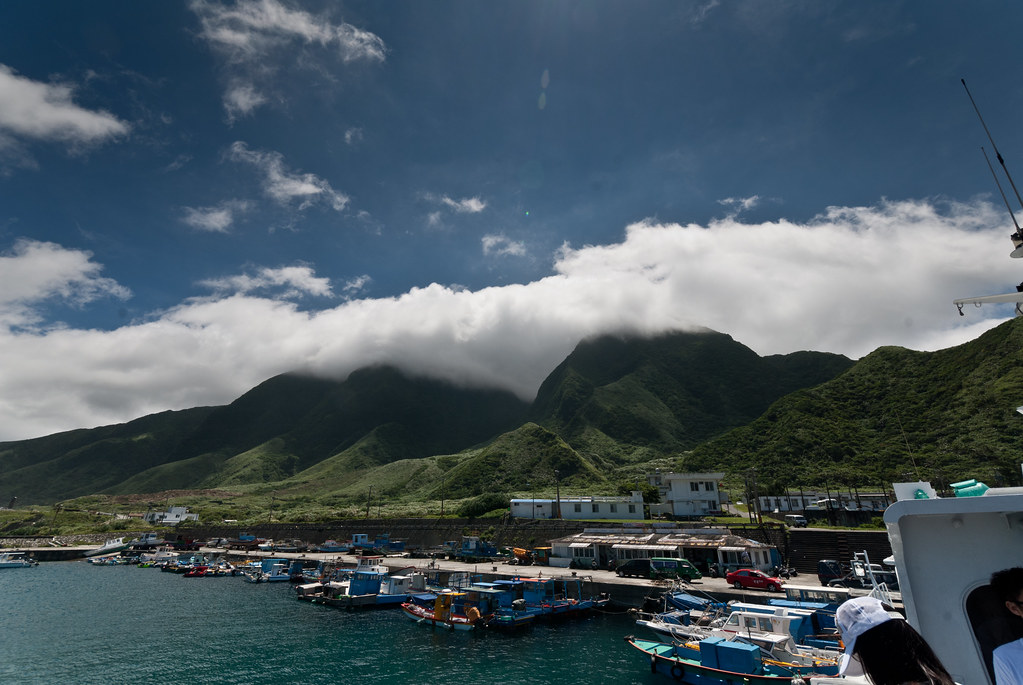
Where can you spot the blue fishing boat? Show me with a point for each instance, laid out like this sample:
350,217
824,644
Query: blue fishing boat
714,661
559,597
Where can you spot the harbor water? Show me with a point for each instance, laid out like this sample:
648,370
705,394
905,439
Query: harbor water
76,622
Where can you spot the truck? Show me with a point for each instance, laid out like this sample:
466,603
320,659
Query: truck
470,549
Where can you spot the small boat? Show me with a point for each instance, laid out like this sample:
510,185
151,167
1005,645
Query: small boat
332,546
108,547
108,560
443,610
267,571
714,660
559,597
16,560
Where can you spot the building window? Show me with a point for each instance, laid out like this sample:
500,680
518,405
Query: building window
708,486
614,508
596,508
694,486
632,508
578,507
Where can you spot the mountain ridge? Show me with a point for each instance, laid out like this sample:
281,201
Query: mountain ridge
614,408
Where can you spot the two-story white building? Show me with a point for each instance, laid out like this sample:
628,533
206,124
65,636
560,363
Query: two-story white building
587,507
172,517
687,494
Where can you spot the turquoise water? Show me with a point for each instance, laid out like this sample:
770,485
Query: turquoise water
78,623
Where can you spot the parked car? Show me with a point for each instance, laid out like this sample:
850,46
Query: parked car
634,567
829,569
863,582
671,567
747,578
795,520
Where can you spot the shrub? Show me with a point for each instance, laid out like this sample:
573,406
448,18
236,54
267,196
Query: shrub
482,504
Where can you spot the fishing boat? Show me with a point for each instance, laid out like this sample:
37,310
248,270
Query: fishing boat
332,546
109,547
559,597
715,661
16,560
368,587
781,633
444,610
267,571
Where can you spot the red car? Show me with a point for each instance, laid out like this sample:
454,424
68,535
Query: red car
752,578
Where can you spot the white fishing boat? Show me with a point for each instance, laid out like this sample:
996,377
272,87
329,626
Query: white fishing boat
945,551
16,560
109,547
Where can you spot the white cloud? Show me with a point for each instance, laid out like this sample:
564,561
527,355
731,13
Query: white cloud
740,204
286,187
241,99
291,281
502,245
356,285
353,136
468,205
216,219
46,111
849,281
257,38
35,273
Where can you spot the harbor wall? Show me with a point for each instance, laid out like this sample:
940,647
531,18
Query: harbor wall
801,547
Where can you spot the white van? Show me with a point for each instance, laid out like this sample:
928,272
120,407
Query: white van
795,520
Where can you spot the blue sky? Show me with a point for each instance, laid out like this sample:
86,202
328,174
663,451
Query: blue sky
197,196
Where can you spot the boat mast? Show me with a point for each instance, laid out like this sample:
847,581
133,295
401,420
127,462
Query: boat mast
1017,237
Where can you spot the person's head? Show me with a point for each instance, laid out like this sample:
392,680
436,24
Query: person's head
880,644
1008,585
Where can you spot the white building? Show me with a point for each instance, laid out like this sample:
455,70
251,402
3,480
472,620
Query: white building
687,494
818,500
589,507
172,517
700,546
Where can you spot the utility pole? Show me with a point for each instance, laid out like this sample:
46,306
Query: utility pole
557,486
273,496
369,498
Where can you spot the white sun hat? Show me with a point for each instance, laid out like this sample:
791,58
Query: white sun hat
854,618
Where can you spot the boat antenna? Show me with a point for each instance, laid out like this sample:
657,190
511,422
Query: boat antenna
998,155
1002,192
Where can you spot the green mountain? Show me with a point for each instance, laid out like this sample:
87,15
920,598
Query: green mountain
629,399
896,415
285,425
616,407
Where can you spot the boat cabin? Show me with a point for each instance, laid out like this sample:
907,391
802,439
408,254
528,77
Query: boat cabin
945,551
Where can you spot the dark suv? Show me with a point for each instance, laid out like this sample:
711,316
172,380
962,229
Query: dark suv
634,567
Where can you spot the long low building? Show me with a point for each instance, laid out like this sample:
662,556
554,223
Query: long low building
702,546
584,507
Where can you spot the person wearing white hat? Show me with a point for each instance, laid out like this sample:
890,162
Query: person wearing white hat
881,645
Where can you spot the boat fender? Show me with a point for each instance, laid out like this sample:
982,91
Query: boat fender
676,671
653,663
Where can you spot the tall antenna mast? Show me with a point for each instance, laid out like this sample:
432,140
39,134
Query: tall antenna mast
1002,192
994,147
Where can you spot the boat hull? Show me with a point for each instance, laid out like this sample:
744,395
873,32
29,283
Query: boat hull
425,616
668,659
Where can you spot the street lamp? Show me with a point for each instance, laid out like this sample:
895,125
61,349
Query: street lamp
532,500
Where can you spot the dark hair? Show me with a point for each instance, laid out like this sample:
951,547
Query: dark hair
1007,583
893,653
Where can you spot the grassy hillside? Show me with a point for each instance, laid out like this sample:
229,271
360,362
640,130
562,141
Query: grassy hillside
628,399
941,416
